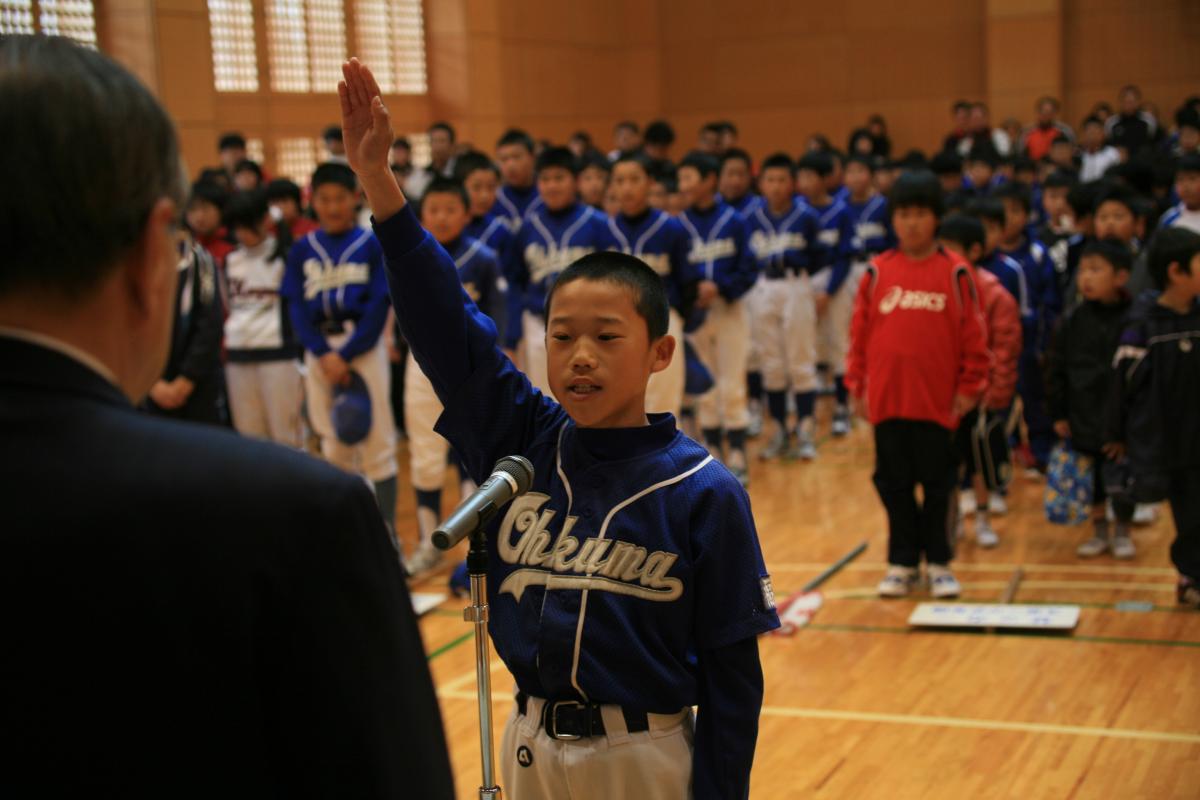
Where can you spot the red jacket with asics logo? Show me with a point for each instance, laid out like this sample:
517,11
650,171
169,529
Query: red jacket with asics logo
918,338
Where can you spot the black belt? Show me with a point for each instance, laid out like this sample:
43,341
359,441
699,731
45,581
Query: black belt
331,328
571,719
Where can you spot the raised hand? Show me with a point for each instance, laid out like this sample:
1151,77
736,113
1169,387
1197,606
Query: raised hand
366,125
367,134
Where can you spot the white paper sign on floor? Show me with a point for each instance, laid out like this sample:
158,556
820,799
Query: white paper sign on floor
994,615
424,603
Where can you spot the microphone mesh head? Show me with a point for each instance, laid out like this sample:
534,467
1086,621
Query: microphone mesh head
519,469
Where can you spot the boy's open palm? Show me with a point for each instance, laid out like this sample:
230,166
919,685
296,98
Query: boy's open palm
366,124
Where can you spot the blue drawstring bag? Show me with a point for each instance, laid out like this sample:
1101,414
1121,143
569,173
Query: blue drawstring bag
1069,485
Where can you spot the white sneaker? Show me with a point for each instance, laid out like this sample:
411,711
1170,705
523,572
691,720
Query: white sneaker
841,421
985,534
1145,514
1122,547
1095,546
898,582
997,504
774,448
425,558
966,503
755,428
805,448
942,583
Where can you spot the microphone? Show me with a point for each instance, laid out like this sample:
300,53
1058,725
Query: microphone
511,477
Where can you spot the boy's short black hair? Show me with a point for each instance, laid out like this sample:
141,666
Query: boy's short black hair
701,162
1082,199
1188,163
473,161
625,124
246,209
962,229
659,132
725,126
836,157
711,127
987,209
864,161
946,162
737,154
1116,193
1091,119
914,160
597,160
1174,245
88,152
667,180
917,189
216,175
1059,179
402,141
628,272
635,158
1187,117
559,157
444,185
983,153
1016,191
249,165
332,134
231,141
778,161
211,192
1024,164
441,125
819,162
516,136
332,172
961,105
283,189
1114,251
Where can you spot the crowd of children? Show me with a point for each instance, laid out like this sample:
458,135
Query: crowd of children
970,305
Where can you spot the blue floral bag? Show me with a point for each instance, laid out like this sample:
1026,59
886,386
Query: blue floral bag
1069,484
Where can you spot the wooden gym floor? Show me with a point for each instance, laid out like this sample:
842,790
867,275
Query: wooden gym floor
859,706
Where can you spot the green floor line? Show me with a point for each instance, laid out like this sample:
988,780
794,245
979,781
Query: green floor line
448,646
870,595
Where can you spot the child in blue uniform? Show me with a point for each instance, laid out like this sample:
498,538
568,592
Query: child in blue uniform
628,584
554,233
782,240
338,300
835,302
727,272
660,241
444,215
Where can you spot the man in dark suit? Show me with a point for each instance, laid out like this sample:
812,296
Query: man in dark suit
183,613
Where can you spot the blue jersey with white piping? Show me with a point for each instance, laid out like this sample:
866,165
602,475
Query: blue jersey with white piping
549,242
513,204
332,279
719,251
785,244
660,241
835,230
871,228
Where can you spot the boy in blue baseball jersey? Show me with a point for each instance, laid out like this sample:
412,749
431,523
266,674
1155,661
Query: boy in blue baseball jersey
628,584
338,299
444,215
519,193
727,271
782,240
834,300
736,182
556,232
481,180
660,241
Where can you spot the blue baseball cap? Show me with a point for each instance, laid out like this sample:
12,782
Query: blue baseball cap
697,378
351,411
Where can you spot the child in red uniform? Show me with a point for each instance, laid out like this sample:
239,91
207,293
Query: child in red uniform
918,362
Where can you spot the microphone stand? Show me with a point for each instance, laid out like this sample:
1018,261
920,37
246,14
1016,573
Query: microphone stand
477,613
